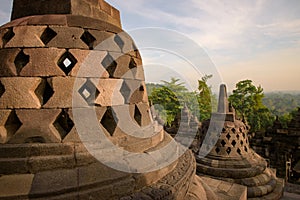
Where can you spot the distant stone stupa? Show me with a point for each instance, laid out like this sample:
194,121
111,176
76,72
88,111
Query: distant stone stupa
232,159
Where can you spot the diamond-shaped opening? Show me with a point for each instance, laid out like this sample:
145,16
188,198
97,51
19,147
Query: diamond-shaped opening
89,92
237,136
119,41
21,61
109,121
12,124
223,143
63,123
228,136
37,139
110,65
241,130
239,151
228,150
132,64
233,130
137,115
88,39
44,92
125,91
66,62
223,130
244,135
8,36
2,89
242,143
142,88
217,150
48,35
233,143
246,149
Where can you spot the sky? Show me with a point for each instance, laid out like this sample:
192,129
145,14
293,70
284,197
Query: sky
244,39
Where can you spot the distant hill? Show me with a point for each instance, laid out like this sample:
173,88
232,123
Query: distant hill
282,102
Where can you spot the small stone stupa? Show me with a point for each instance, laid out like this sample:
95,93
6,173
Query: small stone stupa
232,159
42,155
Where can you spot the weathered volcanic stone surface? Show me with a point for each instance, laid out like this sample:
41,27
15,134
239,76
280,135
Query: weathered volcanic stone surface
95,9
62,58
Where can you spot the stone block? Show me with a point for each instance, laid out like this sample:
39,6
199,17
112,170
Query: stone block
26,36
47,163
12,186
5,35
9,124
110,45
139,73
105,7
143,109
89,64
67,37
133,91
97,24
97,174
100,36
124,187
100,193
36,149
43,62
37,127
62,98
74,7
13,166
224,186
109,94
125,66
99,14
115,13
85,22
53,182
7,66
20,92
22,8
60,20
82,8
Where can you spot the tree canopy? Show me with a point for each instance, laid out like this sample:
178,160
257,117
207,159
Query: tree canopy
247,100
172,95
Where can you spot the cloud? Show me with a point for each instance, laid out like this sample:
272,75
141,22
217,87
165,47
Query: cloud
224,25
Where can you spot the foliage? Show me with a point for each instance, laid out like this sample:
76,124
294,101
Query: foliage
281,103
172,96
286,118
169,97
247,100
207,101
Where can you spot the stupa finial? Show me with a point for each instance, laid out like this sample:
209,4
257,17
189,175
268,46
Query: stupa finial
223,106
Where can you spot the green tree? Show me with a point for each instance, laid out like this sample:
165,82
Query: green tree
170,97
206,100
247,100
286,118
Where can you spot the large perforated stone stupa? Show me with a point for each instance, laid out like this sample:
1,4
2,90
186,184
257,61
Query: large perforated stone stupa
42,156
231,159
